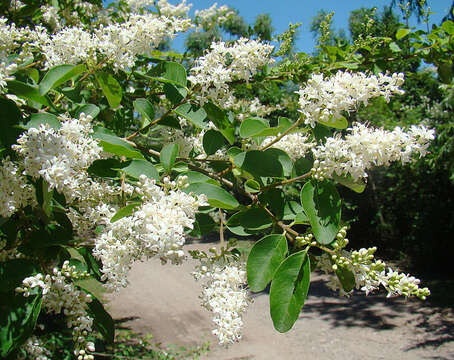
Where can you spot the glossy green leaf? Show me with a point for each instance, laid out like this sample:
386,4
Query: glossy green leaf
171,72
193,113
448,26
253,127
401,33
219,118
92,286
302,166
111,88
217,196
252,186
264,258
289,289
139,167
145,109
346,278
175,93
18,316
12,272
88,109
27,91
394,47
196,177
212,141
59,75
259,163
125,211
204,224
11,118
43,118
115,145
103,322
168,156
340,122
322,205
357,186
283,158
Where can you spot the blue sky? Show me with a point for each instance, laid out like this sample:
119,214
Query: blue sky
285,11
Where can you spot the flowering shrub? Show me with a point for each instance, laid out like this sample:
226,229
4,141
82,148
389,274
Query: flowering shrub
114,151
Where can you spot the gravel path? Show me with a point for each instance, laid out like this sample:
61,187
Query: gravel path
163,300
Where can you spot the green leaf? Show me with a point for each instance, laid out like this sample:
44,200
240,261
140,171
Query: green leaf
283,158
43,118
302,165
346,278
394,47
175,93
196,177
91,286
255,219
103,322
356,186
259,163
301,218
27,91
448,26
115,145
401,33
322,205
90,261
139,167
338,123
125,211
169,72
217,196
144,108
88,109
264,258
253,127
12,272
220,119
18,316
252,186
107,168
168,156
111,88
193,113
203,225
11,118
212,141
289,289
59,75
444,71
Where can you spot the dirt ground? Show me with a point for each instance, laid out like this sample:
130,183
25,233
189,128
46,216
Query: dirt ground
163,301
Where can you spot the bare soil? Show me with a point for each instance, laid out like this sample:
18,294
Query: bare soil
163,301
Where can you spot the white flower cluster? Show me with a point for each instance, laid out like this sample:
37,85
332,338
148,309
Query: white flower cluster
224,294
364,148
294,144
245,107
51,17
15,192
224,63
60,295
324,99
169,10
207,18
116,44
156,228
370,274
34,349
60,156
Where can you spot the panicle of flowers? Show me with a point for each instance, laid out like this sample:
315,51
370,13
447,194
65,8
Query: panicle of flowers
15,192
121,43
169,10
324,99
60,156
296,144
207,18
225,295
61,296
51,17
148,231
6,71
365,147
246,107
34,349
369,273
224,63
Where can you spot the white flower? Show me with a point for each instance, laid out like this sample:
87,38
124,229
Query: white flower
365,147
324,99
295,144
227,62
